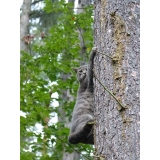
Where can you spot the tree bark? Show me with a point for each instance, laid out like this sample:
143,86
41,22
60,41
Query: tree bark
24,23
117,68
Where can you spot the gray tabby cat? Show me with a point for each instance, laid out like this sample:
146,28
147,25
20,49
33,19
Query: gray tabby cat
81,131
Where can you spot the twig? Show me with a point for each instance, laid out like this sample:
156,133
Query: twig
74,148
80,153
105,54
108,91
101,158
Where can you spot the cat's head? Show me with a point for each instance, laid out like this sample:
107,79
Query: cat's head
81,72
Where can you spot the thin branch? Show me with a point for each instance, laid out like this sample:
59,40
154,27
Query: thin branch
109,91
105,54
76,8
79,152
74,149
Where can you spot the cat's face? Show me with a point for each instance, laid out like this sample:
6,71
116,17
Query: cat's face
81,72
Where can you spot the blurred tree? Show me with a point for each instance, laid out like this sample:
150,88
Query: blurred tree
24,25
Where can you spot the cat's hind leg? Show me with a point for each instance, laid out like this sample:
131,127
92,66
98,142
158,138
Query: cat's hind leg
84,134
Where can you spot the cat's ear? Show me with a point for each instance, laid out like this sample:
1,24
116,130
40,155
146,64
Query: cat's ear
75,69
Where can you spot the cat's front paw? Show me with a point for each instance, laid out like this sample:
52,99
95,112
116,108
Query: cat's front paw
94,49
92,122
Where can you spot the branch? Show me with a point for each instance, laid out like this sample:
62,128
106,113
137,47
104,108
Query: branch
109,91
74,148
101,158
105,54
77,8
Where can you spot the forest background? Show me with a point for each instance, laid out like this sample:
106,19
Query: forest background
58,40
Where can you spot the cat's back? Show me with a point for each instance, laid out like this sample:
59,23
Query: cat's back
84,104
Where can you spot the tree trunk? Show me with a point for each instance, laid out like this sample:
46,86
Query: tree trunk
24,23
117,123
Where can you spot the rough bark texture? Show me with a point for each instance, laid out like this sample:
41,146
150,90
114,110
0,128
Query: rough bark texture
24,23
117,33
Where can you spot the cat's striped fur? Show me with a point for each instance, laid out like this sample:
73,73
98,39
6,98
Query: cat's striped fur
80,131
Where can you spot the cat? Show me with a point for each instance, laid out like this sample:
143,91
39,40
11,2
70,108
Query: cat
82,118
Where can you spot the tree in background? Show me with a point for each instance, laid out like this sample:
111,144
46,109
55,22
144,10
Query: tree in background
41,70
117,80
35,23
24,25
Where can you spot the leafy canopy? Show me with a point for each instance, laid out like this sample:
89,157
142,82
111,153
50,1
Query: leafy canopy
41,77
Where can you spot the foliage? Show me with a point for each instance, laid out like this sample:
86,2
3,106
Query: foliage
45,19
41,79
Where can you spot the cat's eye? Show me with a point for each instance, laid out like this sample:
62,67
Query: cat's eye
80,71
